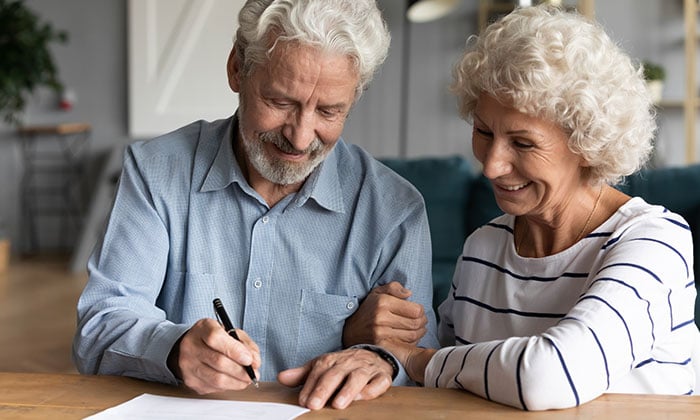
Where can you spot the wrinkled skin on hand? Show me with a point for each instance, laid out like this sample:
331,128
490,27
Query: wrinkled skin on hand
339,378
386,314
208,360
414,359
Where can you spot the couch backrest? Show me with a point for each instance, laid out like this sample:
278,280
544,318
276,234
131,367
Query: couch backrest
677,188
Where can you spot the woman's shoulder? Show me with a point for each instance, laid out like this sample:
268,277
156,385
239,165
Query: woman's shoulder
636,209
637,218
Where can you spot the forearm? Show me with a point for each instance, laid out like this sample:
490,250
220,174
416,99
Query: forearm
120,329
113,340
418,260
525,373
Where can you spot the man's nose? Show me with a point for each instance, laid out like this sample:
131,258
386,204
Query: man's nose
300,130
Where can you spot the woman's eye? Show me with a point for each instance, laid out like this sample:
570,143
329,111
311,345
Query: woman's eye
522,145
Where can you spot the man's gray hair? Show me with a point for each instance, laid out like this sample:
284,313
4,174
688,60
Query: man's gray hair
354,28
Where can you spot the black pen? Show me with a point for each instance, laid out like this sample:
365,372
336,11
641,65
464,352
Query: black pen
221,313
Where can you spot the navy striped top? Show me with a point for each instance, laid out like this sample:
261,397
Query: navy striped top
612,313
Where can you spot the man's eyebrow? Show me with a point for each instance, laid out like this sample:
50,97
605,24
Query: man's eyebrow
339,105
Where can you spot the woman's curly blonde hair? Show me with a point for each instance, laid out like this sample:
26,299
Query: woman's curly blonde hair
560,66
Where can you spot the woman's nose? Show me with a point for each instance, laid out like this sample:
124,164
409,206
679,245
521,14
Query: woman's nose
497,160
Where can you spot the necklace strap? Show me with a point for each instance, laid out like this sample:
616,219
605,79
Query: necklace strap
590,216
580,234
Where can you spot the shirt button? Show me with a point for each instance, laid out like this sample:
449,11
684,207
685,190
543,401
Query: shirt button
258,283
265,219
350,305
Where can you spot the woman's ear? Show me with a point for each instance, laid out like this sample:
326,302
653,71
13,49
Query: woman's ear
233,69
583,162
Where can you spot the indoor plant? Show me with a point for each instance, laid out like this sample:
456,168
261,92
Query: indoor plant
26,61
654,74
25,64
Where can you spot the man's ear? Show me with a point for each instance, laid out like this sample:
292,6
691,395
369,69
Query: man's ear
234,67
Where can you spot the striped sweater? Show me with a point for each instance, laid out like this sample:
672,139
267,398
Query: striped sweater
612,313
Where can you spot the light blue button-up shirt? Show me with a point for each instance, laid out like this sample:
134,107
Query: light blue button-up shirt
186,227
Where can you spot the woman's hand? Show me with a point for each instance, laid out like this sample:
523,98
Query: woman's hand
414,359
386,313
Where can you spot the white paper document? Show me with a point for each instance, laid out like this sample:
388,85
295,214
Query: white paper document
152,407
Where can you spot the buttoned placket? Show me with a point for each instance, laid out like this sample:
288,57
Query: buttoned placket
258,287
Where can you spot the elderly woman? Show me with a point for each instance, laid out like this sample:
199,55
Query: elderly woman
578,289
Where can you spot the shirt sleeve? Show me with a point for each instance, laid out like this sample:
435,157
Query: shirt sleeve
120,329
633,302
409,255
418,249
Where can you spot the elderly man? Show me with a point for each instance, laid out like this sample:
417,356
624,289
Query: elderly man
271,211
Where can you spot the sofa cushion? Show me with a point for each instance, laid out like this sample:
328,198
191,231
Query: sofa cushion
482,205
676,188
693,218
442,280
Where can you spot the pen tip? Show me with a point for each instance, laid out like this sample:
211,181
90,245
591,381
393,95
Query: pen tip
255,382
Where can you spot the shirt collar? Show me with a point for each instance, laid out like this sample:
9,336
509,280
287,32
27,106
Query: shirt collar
323,185
224,169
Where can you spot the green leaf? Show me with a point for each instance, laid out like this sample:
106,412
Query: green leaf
26,61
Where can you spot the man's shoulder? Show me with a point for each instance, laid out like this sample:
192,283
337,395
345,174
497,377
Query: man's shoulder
182,142
368,174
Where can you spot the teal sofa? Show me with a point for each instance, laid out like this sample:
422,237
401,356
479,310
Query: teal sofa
458,200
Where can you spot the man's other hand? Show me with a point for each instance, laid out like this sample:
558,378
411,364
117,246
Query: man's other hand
339,378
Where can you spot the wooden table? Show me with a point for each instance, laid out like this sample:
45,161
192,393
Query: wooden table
69,396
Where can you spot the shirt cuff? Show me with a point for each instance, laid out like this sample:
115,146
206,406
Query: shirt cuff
158,350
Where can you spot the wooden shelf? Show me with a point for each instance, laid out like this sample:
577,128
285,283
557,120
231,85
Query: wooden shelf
60,129
675,103
670,103
691,101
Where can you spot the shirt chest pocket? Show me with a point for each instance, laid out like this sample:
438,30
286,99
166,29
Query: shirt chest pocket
321,323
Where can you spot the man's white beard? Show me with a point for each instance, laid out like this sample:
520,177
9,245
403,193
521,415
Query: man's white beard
277,170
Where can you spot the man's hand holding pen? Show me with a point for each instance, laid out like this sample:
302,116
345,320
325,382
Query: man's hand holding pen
210,360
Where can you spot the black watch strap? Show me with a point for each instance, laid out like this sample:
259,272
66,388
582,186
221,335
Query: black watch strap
386,356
